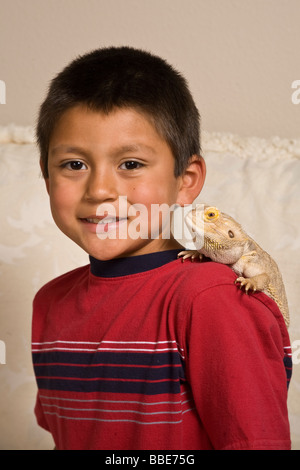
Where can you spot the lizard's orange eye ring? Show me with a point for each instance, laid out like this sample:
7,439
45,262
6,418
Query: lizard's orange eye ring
211,213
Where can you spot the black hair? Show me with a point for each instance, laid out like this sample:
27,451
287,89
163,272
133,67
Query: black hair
124,77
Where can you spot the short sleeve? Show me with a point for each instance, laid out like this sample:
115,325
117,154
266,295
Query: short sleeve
235,366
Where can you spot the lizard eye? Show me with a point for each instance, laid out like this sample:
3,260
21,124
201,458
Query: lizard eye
211,213
231,234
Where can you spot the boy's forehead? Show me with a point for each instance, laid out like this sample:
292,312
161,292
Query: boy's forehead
80,116
126,129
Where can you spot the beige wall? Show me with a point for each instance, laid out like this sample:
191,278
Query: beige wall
239,56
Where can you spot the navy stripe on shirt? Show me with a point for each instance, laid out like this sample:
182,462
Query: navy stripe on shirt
130,372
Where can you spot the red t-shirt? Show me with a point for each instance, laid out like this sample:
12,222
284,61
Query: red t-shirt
151,353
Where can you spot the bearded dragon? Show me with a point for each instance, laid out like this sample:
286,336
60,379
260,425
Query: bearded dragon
226,242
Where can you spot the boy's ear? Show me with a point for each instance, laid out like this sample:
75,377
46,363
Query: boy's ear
46,179
192,181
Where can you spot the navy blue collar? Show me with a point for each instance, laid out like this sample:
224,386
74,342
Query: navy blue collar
131,265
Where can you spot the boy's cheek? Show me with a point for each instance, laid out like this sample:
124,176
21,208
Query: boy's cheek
59,190
155,192
63,203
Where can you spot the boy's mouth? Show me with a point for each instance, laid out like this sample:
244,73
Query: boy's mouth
103,224
104,220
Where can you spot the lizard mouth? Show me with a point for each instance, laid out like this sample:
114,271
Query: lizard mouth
212,245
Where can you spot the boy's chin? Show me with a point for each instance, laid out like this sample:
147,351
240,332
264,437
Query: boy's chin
115,250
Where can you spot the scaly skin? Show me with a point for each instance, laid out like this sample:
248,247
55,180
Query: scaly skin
226,242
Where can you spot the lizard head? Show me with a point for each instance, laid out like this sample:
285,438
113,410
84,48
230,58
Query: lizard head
221,238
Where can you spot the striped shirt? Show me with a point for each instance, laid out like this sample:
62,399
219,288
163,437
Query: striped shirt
152,353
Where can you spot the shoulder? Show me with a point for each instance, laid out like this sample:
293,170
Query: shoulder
207,290
181,281
62,283
197,277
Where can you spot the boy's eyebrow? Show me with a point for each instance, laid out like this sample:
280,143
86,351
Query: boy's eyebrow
116,152
132,148
68,149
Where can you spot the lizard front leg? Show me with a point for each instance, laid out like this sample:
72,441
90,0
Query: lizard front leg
254,283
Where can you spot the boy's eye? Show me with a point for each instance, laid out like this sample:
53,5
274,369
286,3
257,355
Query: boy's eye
130,165
75,165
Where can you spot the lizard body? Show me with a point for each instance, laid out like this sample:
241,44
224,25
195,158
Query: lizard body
226,242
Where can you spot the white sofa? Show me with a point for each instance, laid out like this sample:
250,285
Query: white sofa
255,180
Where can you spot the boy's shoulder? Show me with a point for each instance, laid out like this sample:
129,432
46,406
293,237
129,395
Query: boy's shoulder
199,276
198,284
63,282
213,284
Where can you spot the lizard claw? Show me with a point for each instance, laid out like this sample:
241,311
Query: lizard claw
248,283
193,254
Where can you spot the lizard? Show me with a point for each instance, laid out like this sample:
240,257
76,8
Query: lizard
226,242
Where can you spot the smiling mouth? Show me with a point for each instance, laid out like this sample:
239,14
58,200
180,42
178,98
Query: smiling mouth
103,224
103,220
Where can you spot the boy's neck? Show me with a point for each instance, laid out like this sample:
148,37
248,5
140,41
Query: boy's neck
133,264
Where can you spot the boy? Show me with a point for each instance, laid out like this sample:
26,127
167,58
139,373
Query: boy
138,350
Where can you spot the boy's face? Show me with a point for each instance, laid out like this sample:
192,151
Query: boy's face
96,158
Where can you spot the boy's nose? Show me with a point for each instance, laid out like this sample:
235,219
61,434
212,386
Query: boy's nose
101,186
